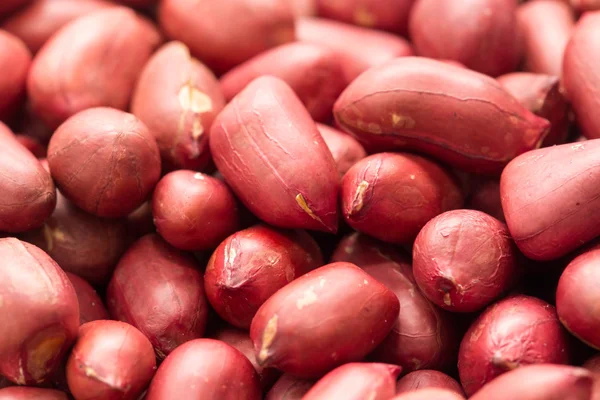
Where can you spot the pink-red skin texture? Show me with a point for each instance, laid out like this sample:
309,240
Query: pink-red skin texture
15,59
552,211
456,115
423,336
9,6
105,161
251,265
111,360
314,73
593,365
540,382
160,291
426,379
545,27
253,26
485,196
346,150
429,394
358,48
464,259
194,211
378,14
271,154
178,98
343,306
583,5
241,340
28,192
37,22
83,244
480,34
288,387
513,332
580,77
91,307
542,95
31,393
357,381
40,313
93,61
391,196
226,374
138,3
577,298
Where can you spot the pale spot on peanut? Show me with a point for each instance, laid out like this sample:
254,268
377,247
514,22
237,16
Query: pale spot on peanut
412,177
359,197
403,121
578,146
374,128
304,206
485,149
268,337
447,299
322,283
192,99
309,297
199,176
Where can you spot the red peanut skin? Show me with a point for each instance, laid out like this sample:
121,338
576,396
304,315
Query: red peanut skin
28,192
423,336
593,365
577,298
160,291
358,48
314,73
375,14
263,143
479,34
30,393
91,307
357,381
427,379
251,27
81,243
346,150
37,22
289,387
485,196
392,196
464,259
545,27
552,211
585,5
93,61
233,379
542,95
40,313
539,382
105,161
580,78
138,3
516,331
15,60
178,98
111,360
345,308
241,340
251,265
429,394
9,6
183,198
456,115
